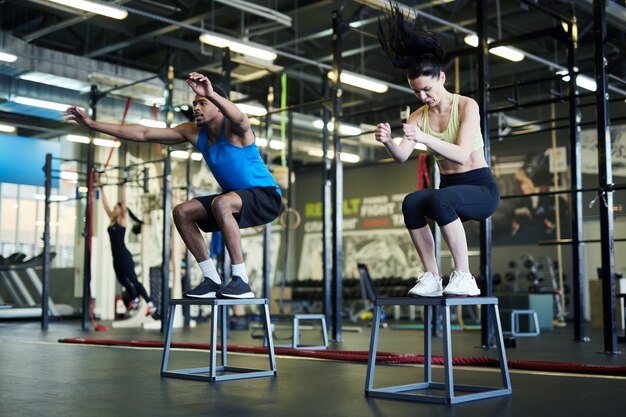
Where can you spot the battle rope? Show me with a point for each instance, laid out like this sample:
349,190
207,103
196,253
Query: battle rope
363,356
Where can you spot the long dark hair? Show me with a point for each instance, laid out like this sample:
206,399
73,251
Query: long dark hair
418,52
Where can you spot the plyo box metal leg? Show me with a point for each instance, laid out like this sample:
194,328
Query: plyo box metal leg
219,313
411,391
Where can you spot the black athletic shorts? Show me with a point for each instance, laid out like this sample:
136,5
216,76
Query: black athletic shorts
261,205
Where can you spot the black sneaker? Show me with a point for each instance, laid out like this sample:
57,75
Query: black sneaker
236,288
207,289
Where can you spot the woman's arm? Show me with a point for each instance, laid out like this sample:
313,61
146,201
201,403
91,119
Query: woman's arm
399,152
460,151
105,203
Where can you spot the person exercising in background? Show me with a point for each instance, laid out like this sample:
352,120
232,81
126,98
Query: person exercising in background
449,125
250,196
123,264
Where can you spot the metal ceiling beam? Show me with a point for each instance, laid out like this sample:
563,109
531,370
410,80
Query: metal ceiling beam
255,9
148,35
411,11
61,25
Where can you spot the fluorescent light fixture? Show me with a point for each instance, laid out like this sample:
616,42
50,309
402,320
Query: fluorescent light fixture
506,52
92,7
239,46
152,123
55,80
108,143
7,129
6,57
581,80
360,81
53,197
76,138
252,110
50,105
344,129
344,156
83,189
274,144
180,154
70,176
196,156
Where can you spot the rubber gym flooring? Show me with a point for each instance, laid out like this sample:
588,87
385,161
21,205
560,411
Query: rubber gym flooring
41,377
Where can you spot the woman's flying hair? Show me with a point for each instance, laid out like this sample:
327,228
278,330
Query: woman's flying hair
417,52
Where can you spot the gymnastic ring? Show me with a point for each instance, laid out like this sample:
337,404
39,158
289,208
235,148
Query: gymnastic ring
292,225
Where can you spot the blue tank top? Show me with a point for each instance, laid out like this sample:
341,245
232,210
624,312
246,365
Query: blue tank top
233,167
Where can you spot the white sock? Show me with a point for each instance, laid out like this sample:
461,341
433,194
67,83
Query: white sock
209,271
240,271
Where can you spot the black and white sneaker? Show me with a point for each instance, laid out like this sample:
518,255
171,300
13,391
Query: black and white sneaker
236,288
206,289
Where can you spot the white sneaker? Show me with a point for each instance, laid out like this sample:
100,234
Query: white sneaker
428,285
461,284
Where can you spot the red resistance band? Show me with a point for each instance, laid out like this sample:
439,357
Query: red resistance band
423,178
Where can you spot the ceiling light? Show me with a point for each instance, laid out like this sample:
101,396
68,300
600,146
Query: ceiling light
53,197
76,138
251,109
83,190
6,57
55,80
196,156
108,143
344,129
152,123
581,80
180,154
239,46
50,105
506,52
343,156
92,7
360,81
7,129
261,142
70,176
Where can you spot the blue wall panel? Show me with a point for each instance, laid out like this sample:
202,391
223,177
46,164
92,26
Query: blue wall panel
22,159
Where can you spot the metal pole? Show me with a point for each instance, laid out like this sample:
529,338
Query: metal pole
267,231
338,31
45,290
578,266
485,226
186,281
94,96
326,208
289,204
605,178
167,201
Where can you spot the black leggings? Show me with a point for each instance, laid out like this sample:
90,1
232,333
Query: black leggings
125,273
471,195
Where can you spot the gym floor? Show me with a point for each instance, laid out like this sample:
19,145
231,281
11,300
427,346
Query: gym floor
42,377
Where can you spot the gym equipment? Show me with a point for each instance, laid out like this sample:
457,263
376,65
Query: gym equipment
400,392
295,338
23,288
515,331
219,313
